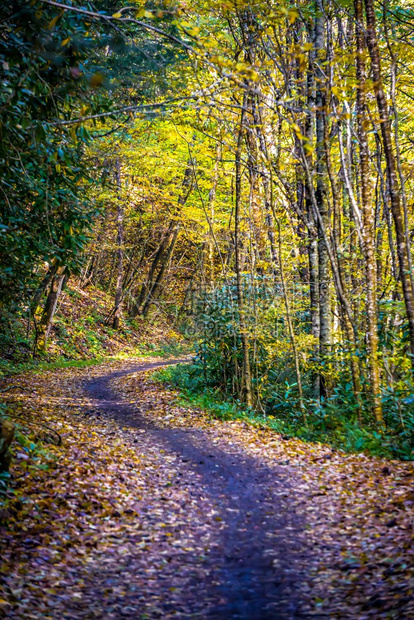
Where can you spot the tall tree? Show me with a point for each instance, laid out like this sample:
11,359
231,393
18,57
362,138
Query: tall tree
325,321
120,247
368,215
393,186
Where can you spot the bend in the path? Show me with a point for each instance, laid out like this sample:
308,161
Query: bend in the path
258,566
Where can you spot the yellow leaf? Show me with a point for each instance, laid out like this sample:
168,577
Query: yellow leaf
53,22
292,16
117,15
65,42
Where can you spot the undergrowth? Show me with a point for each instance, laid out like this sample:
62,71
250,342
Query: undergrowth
80,337
321,426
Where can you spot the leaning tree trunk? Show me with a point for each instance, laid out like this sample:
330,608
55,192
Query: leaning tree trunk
167,245
155,290
136,309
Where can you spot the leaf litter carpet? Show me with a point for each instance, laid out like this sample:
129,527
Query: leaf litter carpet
153,510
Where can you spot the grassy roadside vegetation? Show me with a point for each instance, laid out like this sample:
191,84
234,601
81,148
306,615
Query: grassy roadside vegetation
338,431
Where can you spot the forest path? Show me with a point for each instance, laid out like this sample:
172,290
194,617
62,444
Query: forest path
150,509
249,555
143,516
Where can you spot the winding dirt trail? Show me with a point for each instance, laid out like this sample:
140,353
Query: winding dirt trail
252,566
150,509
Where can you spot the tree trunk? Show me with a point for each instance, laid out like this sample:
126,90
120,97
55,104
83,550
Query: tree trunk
402,250
42,287
144,299
120,249
151,275
290,323
313,259
50,305
325,314
247,395
368,220
155,289
211,202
